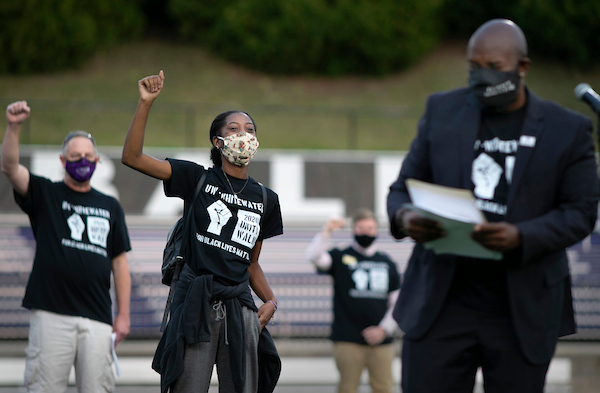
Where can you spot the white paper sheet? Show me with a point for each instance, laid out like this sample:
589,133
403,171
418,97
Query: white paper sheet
455,209
113,338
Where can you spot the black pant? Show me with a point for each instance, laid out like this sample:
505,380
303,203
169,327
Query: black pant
460,341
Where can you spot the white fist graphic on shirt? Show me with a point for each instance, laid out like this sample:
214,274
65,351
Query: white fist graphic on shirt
485,176
77,226
219,215
361,279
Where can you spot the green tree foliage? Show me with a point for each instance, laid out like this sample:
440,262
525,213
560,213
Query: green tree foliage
331,37
46,35
567,30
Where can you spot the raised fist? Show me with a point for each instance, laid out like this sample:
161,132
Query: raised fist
151,86
334,224
17,112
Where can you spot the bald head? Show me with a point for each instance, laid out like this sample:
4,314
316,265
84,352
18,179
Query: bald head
499,35
498,51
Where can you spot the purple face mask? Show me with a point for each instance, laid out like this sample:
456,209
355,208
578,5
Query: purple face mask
80,170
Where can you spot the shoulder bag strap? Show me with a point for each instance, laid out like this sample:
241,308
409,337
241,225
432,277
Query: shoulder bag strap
190,213
264,194
180,258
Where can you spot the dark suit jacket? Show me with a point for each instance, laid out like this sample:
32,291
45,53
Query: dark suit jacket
553,201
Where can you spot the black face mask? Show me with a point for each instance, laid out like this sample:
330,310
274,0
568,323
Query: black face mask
494,89
364,240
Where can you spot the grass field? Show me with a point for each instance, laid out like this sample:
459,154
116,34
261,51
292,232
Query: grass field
291,112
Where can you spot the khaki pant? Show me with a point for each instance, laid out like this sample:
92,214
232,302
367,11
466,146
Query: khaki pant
352,358
57,342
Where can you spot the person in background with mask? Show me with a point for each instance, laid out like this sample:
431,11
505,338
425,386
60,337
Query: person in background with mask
214,319
366,286
81,237
531,166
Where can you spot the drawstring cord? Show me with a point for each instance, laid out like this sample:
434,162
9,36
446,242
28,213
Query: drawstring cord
219,307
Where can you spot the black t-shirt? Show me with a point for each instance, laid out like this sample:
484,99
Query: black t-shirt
225,227
495,151
481,283
361,288
77,235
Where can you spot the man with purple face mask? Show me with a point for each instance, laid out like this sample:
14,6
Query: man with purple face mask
81,238
79,168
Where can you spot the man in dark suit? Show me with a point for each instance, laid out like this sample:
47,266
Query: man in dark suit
531,166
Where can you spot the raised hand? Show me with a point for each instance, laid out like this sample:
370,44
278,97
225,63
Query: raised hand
17,112
334,224
151,86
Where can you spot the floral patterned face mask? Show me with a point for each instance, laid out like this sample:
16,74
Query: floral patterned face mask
239,148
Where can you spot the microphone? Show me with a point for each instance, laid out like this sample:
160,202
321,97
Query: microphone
585,93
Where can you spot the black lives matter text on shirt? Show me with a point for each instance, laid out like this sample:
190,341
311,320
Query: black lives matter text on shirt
361,288
226,226
77,235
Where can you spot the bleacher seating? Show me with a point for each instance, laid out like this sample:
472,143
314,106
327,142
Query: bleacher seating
305,309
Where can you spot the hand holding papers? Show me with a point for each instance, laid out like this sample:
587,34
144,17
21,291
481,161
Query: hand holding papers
456,211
